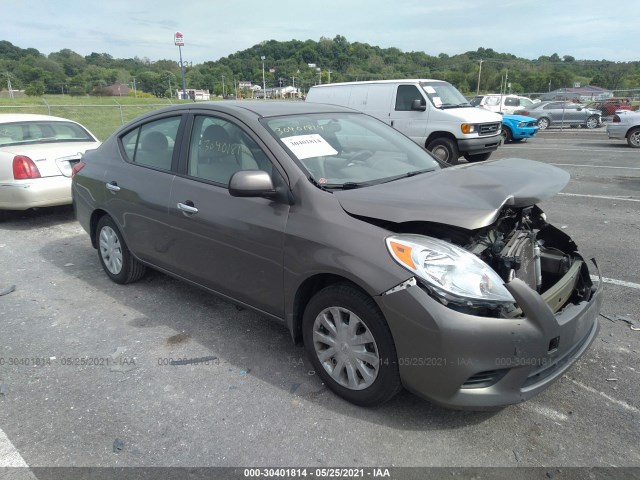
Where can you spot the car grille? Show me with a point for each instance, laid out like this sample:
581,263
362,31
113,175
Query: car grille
488,128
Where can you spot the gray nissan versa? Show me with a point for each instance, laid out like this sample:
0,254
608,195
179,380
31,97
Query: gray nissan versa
393,268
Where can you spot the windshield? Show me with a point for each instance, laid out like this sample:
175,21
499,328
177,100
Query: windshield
42,132
344,150
444,95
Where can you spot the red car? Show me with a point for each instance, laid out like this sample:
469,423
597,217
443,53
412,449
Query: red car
611,105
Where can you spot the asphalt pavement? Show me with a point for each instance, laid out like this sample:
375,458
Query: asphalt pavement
161,374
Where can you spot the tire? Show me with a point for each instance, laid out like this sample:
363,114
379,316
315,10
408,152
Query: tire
543,123
633,137
445,149
114,255
592,122
506,134
365,374
479,157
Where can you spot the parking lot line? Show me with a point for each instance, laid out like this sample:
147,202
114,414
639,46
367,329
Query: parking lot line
604,197
9,456
556,149
621,403
593,166
621,283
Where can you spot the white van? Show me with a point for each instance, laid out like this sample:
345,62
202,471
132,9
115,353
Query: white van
433,113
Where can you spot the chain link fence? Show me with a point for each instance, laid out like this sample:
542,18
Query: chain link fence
101,120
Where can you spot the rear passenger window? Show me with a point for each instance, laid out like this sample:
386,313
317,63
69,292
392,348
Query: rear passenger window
511,102
152,144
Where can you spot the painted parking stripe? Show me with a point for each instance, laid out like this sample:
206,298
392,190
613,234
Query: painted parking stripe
604,197
9,456
593,166
621,283
599,150
609,398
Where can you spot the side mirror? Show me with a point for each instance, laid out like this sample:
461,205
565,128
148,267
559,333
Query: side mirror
418,105
251,183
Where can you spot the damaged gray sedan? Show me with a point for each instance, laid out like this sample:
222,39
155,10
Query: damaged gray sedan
392,268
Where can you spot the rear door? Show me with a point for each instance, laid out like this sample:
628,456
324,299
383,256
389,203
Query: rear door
139,186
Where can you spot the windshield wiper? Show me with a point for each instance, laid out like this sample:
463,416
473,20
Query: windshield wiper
316,183
459,105
412,173
348,185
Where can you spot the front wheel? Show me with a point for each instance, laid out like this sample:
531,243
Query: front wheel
506,134
478,157
633,139
350,345
543,123
115,257
445,149
592,122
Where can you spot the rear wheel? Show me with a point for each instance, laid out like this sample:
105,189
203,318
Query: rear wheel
350,345
445,149
543,123
592,122
633,138
115,257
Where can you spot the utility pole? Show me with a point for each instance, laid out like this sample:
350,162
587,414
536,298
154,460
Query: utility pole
9,85
223,95
479,73
264,85
135,92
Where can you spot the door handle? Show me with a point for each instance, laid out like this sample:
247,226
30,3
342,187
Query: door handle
186,208
113,187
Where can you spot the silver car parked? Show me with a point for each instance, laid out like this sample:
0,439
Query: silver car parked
392,268
561,113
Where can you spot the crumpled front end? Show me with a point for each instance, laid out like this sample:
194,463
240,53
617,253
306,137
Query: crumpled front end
468,354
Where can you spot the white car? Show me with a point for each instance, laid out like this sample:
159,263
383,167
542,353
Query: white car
37,154
506,104
625,125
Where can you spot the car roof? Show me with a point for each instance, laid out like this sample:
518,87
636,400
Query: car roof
253,108
398,80
30,117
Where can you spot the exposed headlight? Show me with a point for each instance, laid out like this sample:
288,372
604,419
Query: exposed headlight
522,124
452,272
468,128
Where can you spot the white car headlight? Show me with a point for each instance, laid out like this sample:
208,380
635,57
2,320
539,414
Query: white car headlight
454,273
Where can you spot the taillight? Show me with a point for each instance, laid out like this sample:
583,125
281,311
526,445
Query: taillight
524,112
24,168
77,167
616,119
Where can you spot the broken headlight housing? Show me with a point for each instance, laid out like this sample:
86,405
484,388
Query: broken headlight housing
450,272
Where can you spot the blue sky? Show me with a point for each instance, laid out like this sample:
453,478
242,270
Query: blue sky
585,29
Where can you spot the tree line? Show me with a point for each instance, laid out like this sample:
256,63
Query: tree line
303,64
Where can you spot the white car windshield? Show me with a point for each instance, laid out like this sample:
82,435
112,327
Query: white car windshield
349,150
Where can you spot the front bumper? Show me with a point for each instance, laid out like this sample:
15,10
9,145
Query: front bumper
465,361
38,192
478,145
523,132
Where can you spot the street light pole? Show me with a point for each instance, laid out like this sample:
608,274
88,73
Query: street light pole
479,72
178,40
264,85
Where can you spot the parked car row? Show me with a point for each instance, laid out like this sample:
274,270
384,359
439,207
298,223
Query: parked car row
562,113
506,104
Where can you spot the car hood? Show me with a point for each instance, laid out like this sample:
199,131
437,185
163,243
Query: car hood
473,115
517,118
468,196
